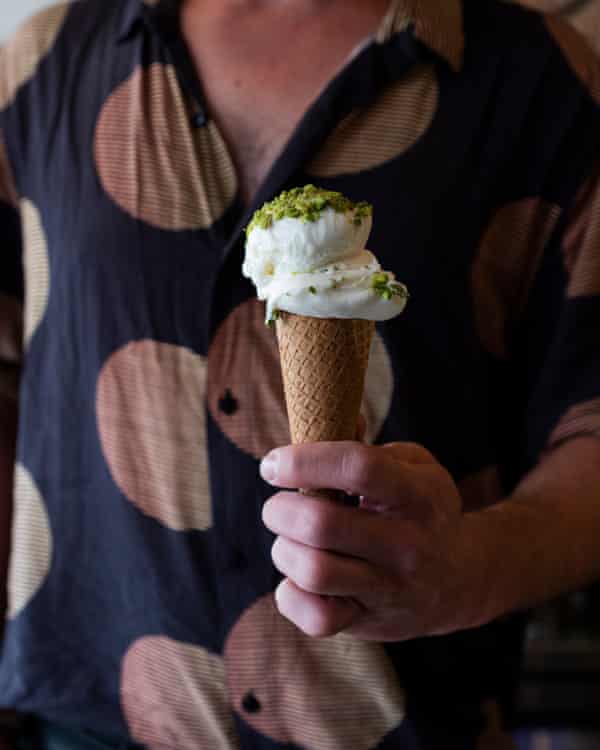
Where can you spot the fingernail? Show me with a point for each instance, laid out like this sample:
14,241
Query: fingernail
268,466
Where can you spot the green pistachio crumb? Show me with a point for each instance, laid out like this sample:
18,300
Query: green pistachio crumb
386,288
379,279
274,316
308,203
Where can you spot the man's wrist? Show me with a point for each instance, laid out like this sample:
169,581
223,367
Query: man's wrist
543,540
498,556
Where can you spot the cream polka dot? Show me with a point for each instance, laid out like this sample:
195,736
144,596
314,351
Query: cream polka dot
150,407
8,190
321,694
174,696
578,53
31,544
388,129
37,267
245,389
505,267
152,163
379,389
22,55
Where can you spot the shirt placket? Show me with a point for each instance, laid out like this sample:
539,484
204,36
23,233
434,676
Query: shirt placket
241,544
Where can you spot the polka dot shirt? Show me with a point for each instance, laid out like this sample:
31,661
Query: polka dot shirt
140,590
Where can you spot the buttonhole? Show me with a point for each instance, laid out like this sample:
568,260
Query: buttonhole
228,404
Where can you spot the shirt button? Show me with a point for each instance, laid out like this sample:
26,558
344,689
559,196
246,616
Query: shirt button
228,404
251,704
199,119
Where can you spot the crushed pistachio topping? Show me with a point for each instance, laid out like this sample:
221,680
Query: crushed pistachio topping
382,284
307,204
274,316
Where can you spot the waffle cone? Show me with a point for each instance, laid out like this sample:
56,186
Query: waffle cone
323,363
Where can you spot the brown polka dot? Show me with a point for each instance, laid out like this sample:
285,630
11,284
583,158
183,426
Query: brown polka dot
321,694
587,21
152,163
31,544
244,361
581,419
8,189
37,267
395,123
21,56
578,53
150,407
581,242
174,696
481,489
438,25
245,389
505,267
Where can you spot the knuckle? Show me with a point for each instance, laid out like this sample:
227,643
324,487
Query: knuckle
420,454
314,576
318,525
294,465
320,622
357,467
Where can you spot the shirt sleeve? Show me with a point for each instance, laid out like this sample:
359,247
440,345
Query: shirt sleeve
564,319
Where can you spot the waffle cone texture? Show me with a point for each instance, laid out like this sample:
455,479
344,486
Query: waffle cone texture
324,363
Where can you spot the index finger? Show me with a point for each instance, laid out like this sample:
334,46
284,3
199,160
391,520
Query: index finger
352,467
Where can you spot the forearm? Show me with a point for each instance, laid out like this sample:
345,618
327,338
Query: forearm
545,539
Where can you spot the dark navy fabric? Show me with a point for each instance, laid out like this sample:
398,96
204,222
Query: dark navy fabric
132,599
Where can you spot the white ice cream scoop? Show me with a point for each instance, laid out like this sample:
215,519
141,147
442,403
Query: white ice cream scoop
305,253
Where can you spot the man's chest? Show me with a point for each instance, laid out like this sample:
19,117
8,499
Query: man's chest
261,71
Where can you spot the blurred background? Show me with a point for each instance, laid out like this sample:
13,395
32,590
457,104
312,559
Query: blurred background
14,11
558,705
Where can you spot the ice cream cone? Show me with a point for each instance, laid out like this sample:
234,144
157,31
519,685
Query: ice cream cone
323,363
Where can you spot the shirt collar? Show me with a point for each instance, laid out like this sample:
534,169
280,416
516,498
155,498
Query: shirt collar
438,24
133,16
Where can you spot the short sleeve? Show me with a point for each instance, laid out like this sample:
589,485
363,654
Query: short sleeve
564,325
